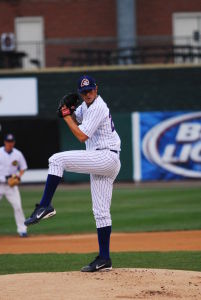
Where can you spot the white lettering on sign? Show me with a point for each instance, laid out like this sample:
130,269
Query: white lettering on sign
169,155
188,132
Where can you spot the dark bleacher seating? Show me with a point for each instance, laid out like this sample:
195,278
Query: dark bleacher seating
132,55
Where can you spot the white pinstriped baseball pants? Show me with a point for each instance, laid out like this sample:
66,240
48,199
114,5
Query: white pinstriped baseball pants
103,167
12,194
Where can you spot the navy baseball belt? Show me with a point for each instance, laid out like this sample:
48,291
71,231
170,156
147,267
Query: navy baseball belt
115,151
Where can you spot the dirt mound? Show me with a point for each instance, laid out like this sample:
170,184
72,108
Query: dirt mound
117,284
85,243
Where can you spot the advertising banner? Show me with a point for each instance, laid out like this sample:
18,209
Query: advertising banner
166,145
18,97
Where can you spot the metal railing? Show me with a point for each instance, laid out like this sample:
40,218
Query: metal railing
101,51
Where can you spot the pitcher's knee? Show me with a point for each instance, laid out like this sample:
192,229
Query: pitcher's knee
102,220
54,159
55,165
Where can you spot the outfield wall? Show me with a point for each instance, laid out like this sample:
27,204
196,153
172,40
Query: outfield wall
125,89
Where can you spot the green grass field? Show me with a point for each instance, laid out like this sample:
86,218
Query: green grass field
29,263
133,210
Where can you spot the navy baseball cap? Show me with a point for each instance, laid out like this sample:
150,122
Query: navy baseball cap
86,83
9,138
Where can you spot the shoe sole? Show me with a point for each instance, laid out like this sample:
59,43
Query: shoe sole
107,269
51,214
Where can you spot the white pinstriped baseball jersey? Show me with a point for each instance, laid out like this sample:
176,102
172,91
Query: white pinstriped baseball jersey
96,122
97,160
11,163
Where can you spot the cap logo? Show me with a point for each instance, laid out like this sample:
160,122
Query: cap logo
84,82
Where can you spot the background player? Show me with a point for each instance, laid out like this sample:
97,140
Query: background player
100,160
12,163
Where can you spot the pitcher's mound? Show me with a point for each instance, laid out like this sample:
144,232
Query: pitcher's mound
116,284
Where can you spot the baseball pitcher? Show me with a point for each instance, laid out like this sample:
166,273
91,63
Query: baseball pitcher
90,122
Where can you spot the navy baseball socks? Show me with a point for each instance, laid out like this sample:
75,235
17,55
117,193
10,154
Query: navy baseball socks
102,262
44,210
104,241
50,188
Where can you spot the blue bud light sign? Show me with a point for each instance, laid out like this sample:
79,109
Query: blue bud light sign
166,145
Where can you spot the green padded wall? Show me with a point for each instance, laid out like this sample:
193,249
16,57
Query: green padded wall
125,90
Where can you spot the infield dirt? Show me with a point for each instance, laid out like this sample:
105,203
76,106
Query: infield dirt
86,243
117,284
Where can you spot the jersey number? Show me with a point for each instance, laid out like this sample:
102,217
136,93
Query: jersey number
112,123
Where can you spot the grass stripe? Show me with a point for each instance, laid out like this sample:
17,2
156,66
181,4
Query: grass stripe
28,263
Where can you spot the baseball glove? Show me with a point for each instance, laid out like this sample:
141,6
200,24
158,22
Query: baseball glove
68,105
13,180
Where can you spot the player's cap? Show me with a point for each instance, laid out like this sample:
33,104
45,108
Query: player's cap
9,138
86,83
